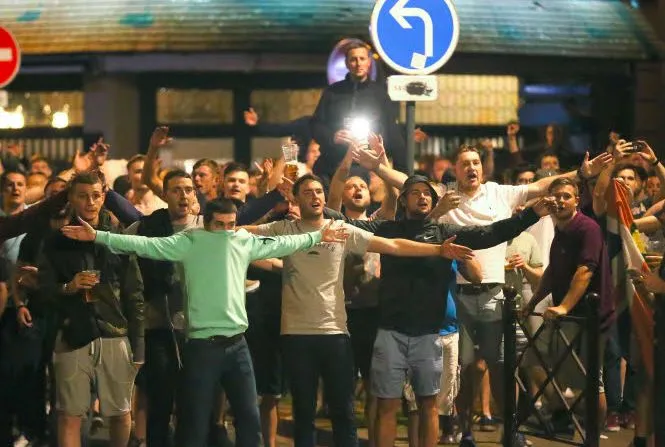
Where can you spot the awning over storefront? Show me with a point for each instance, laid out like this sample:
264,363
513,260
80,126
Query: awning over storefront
607,29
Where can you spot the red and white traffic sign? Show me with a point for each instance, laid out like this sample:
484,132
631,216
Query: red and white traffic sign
10,57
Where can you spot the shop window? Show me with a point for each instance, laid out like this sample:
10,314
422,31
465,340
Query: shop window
60,110
471,100
193,106
282,106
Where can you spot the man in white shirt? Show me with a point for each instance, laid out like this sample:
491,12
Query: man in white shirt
480,306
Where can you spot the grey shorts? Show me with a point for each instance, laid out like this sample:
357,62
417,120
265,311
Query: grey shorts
397,357
450,377
106,364
480,340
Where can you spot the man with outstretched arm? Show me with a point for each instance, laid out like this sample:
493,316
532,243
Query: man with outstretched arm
215,262
412,303
315,338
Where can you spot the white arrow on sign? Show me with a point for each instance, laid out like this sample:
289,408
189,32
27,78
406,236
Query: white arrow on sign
6,55
399,12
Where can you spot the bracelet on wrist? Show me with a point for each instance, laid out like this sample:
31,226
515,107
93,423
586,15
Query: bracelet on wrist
19,306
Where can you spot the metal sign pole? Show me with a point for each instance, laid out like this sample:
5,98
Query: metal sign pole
414,53
410,131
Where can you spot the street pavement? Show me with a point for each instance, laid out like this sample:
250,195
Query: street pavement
620,439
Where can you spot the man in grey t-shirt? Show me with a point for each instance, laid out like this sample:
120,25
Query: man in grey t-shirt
315,337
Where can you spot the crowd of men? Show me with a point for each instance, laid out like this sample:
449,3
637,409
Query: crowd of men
152,300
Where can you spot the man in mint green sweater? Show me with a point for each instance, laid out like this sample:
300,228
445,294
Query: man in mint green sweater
215,262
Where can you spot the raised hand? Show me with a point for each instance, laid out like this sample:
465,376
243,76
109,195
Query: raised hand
367,158
545,206
83,232
285,188
330,234
160,138
376,143
448,201
622,149
251,117
419,135
592,168
84,162
344,137
454,251
512,129
647,153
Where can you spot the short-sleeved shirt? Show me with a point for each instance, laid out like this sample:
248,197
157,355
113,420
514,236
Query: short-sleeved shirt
526,246
581,242
313,280
492,202
543,232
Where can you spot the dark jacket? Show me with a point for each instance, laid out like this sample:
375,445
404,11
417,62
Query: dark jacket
118,307
158,276
161,286
345,100
413,292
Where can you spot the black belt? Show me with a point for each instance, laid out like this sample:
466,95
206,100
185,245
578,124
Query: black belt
477,289
224,341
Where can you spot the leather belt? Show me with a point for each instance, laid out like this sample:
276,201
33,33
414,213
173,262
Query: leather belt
224,341
477,289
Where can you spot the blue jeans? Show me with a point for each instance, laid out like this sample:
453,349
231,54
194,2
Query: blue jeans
330,357
207,363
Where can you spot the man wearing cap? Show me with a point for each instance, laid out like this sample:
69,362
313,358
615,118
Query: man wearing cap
412,303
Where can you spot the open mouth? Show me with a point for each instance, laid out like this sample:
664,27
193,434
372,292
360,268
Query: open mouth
472,176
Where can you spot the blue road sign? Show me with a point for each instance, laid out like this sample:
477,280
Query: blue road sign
415,37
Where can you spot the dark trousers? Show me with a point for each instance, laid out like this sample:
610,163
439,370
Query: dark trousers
330,357
618,347
22,377
161,371
207,363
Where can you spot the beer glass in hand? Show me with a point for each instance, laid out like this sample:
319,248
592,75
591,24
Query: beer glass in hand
290,151
89,298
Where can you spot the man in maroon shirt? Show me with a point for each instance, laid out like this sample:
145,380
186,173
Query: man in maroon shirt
579,264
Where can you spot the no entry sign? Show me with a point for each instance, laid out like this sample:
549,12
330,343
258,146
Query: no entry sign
10,57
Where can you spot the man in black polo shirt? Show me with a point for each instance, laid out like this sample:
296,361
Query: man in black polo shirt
412,303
